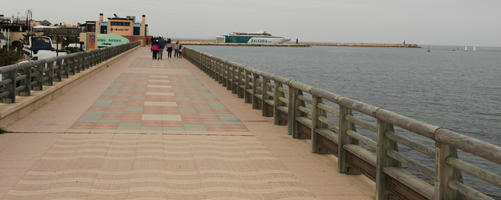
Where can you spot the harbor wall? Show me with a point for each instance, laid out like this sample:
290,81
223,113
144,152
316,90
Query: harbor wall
300,44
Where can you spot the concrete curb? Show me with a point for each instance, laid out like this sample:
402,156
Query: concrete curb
10,113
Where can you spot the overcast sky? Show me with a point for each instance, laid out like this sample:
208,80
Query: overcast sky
446,22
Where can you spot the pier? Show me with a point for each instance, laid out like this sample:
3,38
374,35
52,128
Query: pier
114,124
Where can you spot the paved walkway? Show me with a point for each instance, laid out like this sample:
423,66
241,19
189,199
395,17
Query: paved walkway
144,129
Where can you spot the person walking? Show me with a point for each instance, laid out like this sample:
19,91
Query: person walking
169,48
180,51
161,47
176,49
154,50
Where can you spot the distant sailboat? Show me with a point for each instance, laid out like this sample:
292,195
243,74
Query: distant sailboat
428,50
474,48
465,48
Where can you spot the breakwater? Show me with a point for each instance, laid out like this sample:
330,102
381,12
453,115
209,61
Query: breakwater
214,43
390,45
301,44
333,123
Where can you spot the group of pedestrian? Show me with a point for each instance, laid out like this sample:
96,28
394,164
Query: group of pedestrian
158,45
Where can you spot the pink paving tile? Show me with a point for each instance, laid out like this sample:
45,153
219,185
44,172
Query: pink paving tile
159,90
135,103
226,127
152,123
204,111
210,118
160,110
160,98
137,93
119,103
95,108
113,97
172,124
108,116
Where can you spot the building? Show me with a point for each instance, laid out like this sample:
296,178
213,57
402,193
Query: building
114,31
11,31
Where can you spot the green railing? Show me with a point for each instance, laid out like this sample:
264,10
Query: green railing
20,79
335,125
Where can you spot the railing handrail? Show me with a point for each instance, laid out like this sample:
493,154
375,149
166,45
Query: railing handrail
448,181
51,69
4,69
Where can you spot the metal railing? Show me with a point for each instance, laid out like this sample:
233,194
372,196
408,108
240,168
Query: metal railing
20,79
329,121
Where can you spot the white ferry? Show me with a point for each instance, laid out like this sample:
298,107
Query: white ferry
261,37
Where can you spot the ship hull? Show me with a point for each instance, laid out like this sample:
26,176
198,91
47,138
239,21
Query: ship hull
253,39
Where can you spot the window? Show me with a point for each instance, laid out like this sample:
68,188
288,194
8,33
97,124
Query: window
104,29
91,27
137,31
120,23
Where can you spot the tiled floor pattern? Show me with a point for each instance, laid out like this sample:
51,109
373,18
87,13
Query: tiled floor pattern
158,167
148,62
152,102
141,62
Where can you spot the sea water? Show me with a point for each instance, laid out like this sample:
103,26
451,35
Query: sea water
447,86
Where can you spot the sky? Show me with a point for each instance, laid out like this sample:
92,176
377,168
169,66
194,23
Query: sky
439,22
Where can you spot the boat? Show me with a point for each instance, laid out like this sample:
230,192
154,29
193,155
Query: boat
474,48
465,48
261,37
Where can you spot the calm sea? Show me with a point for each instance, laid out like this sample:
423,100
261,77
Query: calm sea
448,87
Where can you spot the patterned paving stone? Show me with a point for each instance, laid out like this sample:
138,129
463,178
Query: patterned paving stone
160,93
162,117
147,102
159,86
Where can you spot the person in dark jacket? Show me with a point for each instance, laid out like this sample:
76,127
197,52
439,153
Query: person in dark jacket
161,47
169,48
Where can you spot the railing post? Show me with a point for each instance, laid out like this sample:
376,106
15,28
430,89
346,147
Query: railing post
73,65
254,90
27,81
217,69
229,78
79,63
234,78
266,86
65,69
383,160
247,86
276,102
343,139
50,81
59,72
316,123
292,109
298,102
12,86
445,173
39,77
239,83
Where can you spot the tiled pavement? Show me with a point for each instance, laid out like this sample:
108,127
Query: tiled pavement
158,167
211,146
136,101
